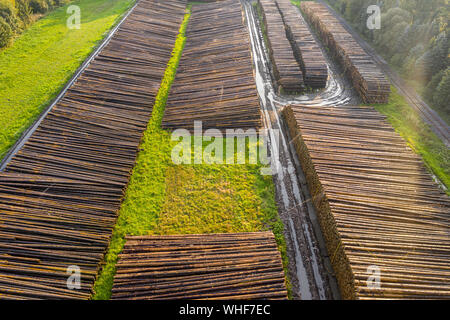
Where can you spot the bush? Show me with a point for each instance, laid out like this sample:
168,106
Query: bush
16,15
9,22
430,90
6,33
8,13
6,8
442,94
39,6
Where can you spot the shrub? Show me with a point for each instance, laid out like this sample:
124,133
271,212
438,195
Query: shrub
6,8
39,6
16,15
9,23
24,12
430,90
6,33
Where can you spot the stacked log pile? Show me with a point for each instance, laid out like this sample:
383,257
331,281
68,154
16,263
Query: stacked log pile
214,82
210,266
381,212
368,79
60,195
286,69
306,50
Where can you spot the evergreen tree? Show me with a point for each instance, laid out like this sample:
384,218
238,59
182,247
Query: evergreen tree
430,90
442,96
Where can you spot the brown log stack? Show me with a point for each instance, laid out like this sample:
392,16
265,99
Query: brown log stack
377,203
306,50
286,68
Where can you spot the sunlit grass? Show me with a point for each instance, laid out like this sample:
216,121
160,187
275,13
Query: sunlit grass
40,62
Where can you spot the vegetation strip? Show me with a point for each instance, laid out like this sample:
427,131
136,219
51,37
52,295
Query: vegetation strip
44,58
145,192
60,194
376,202
165,198
210,266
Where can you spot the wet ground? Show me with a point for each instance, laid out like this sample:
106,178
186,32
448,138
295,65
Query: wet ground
310,269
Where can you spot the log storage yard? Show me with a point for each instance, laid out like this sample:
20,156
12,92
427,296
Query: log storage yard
211,266
214,82
94,204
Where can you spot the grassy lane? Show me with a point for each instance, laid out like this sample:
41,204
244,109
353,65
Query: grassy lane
39,63
408,123
164,198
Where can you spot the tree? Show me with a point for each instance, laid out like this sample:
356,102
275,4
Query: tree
394,23
441,98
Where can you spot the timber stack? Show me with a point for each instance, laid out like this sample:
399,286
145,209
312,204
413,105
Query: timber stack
214,83
306,50
207,266
367,78
381,213
286,69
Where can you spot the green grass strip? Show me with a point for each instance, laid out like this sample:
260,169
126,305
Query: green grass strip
41,61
